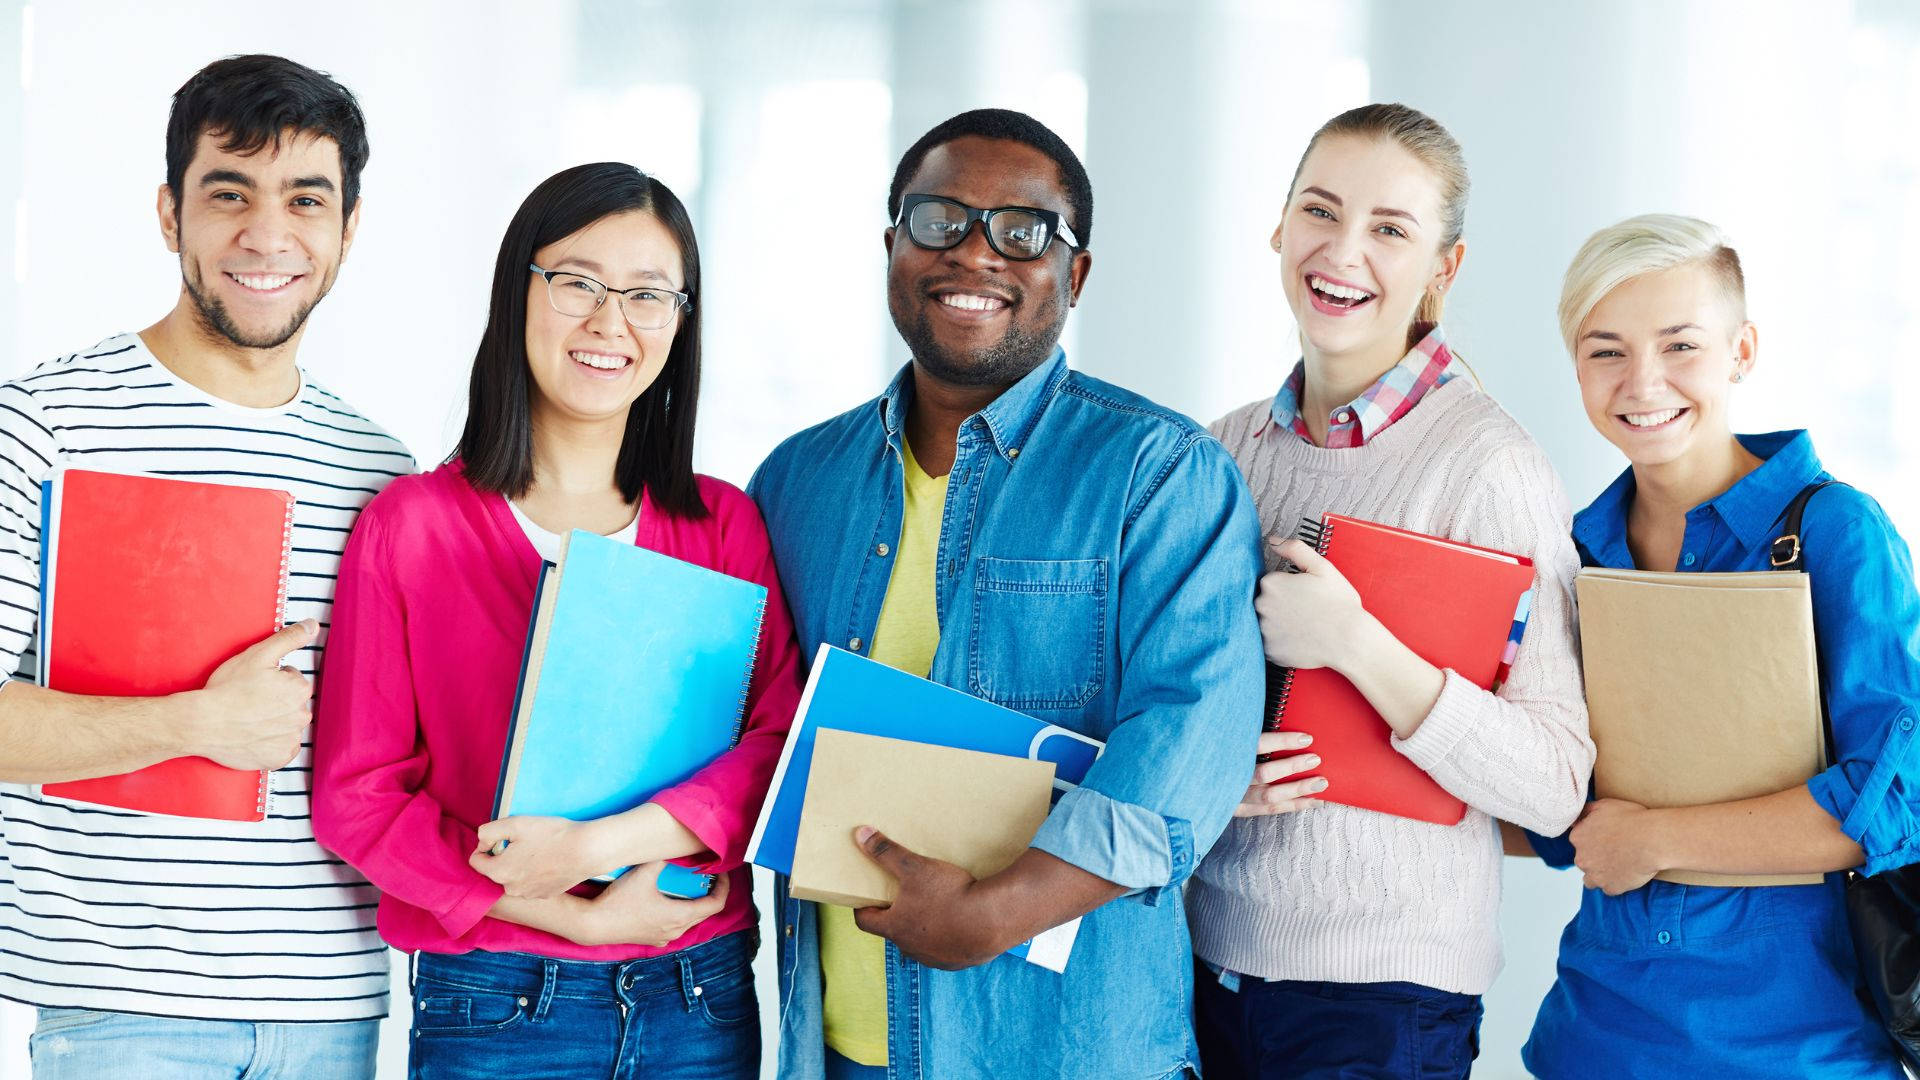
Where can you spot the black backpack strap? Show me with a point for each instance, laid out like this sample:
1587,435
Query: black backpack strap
1788,553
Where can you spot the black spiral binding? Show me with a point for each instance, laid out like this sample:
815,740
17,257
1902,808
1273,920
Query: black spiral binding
746,680
1317,535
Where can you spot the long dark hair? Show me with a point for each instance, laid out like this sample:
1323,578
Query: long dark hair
656,455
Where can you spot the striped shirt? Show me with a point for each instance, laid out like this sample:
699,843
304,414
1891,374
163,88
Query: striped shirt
183,917
1392,396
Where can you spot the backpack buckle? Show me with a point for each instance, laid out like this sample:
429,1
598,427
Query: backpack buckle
1786,551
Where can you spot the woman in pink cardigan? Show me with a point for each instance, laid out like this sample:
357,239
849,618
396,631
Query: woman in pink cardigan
580,415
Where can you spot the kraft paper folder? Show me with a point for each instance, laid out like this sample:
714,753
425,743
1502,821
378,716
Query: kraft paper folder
848,692
1701,688
976,810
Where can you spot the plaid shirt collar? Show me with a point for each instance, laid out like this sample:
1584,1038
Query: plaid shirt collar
1392,396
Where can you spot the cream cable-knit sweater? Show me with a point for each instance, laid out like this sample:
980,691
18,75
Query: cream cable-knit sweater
1344,895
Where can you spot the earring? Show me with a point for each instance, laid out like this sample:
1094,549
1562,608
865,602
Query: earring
1276,243
1739,377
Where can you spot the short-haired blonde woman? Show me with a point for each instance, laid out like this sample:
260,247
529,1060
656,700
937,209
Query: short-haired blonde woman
1343,942
1665,980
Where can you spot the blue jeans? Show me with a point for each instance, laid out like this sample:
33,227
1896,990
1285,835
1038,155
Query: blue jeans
691,1014
1333,1031
83,1044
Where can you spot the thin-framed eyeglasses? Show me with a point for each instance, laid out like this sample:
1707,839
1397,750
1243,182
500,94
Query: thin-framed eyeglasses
1021,233
648,307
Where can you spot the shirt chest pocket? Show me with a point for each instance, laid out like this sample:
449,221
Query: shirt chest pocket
1038,639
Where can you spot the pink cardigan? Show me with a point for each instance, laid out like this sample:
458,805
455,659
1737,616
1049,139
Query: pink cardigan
429,625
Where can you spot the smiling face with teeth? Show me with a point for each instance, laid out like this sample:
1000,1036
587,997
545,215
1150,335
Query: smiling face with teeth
1656,359
260,237
971,316
1359,248
592,369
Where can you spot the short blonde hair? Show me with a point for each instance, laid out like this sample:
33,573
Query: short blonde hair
1433,146
1643,245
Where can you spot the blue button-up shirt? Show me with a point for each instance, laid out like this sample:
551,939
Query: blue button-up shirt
1096,569
1693,981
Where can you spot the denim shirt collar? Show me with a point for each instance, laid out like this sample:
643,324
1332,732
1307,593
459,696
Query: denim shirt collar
1008,419
1750,509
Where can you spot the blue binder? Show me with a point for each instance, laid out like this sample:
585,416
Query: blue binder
852,693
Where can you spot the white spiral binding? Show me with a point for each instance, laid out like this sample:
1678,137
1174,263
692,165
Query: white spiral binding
279,622
746,681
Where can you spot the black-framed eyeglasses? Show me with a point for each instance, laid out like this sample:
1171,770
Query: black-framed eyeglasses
1021,233
645,308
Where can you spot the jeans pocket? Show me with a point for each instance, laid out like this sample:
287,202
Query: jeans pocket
1039,626
55,1021
442,1011
728,1000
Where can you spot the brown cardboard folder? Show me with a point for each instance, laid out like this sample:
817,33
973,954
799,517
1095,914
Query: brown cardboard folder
966,807
1701,688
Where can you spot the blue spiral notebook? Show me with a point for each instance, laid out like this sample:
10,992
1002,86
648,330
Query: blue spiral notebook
635,676
849,692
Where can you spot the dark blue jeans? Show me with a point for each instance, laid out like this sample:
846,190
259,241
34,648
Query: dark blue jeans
688,1014
1327,1030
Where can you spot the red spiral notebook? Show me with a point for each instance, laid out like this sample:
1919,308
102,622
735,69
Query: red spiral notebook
147,585
1455,605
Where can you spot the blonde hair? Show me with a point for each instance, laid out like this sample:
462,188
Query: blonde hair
1644,245
1423,137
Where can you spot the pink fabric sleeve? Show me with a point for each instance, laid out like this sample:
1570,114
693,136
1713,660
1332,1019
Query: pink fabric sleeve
369,806
720,803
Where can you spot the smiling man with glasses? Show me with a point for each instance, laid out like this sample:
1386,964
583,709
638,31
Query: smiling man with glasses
1007,526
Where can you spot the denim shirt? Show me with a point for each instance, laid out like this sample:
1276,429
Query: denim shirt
1686,981
1096,569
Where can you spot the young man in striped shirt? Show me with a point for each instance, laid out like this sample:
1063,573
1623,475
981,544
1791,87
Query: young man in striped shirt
175,947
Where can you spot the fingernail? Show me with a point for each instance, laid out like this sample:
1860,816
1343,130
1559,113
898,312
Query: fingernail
1310,761
1303,740
863,833
1319,785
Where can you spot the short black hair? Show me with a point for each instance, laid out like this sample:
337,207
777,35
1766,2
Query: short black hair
1004,124
656,455
250,101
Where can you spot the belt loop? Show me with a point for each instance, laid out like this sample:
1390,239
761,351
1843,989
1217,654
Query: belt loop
413,970
689,989
549,981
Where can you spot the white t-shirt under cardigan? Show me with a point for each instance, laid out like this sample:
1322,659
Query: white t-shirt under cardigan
108,909
1339,894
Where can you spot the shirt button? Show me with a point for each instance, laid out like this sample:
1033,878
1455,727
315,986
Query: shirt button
1664,937
1343,416
1013,453
1689,559
881,550
854,645
1906,723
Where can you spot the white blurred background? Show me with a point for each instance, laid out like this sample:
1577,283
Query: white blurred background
779,123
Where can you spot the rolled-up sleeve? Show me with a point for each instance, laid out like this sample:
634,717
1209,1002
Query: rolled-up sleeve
1867,624
1188,682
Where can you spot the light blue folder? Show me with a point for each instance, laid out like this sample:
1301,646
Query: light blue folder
635,676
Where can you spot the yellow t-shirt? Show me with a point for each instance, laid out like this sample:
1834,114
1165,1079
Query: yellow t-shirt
854,962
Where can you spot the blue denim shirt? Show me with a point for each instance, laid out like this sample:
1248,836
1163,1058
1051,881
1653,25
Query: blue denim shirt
1096,569
1691,981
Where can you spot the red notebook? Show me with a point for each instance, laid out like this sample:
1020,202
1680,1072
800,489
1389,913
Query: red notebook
147,585
1455,605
